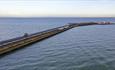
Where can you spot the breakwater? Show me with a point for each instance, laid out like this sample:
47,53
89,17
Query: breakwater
15,43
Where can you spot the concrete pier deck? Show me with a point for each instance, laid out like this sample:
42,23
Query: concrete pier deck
15,43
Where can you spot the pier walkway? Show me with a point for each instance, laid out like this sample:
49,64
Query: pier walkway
15,43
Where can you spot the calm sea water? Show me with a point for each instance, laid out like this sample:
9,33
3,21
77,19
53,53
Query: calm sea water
81,48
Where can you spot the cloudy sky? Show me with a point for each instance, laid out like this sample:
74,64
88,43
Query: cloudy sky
57,8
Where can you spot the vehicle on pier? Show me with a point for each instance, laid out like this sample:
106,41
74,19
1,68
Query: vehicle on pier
25,34
64,27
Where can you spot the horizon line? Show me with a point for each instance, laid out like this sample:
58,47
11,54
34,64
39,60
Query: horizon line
56,16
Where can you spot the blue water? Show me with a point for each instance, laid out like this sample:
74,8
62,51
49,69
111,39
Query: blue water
81,48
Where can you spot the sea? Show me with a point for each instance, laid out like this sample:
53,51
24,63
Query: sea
80,48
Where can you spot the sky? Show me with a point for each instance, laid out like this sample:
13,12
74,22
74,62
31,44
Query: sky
57,8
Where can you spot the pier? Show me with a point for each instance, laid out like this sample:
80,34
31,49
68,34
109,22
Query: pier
27,39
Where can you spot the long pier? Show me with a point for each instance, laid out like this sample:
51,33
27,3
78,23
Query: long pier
19,42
